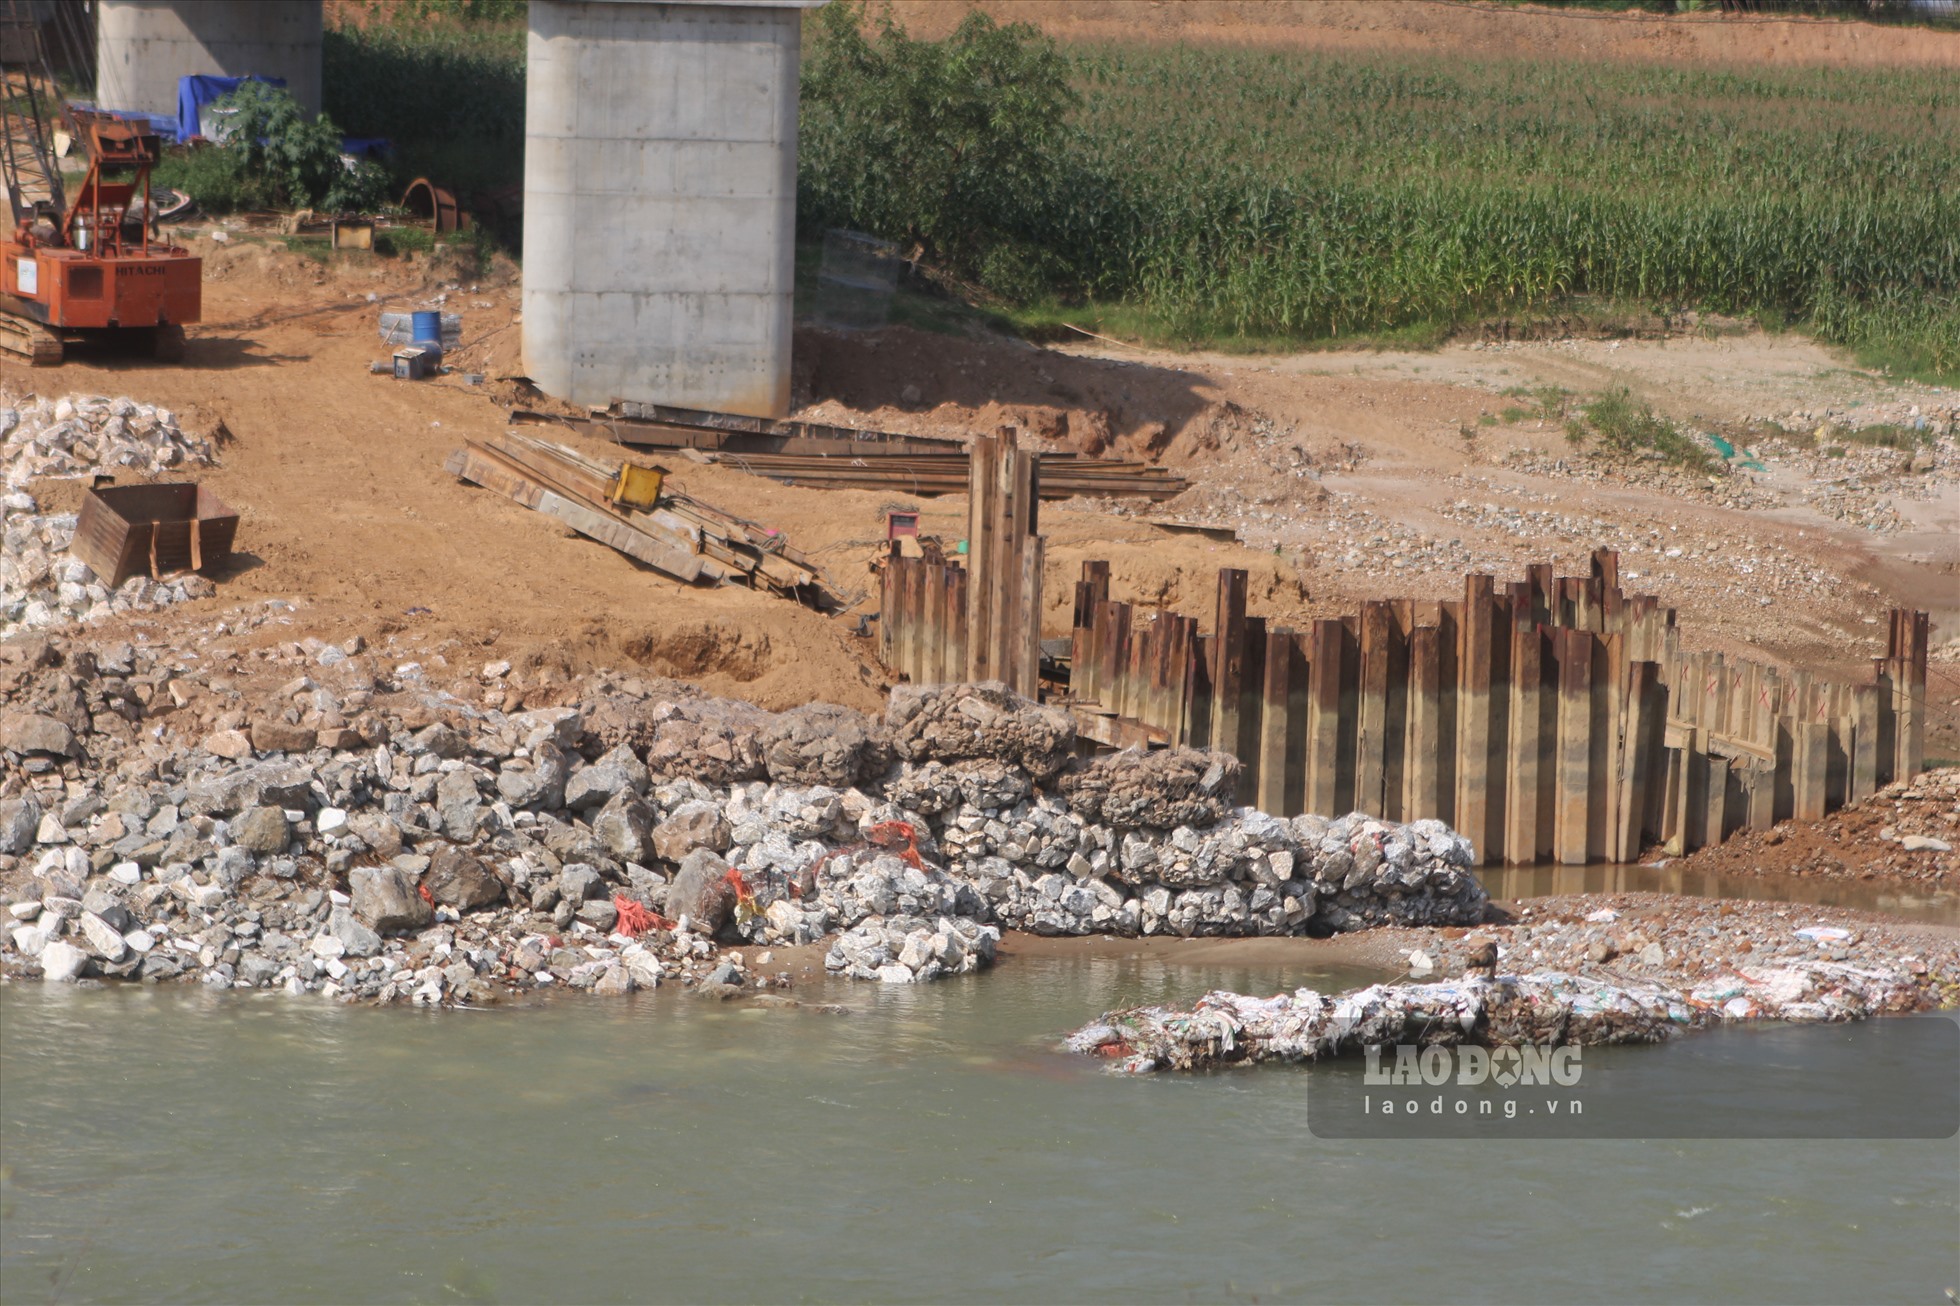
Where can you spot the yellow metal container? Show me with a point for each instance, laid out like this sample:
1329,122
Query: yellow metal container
638,487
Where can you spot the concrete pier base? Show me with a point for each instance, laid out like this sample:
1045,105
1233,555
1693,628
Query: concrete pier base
660,202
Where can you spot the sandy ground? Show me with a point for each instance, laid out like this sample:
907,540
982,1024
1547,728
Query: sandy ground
1439,26
1346,475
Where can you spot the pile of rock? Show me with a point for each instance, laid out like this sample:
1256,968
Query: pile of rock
79,435
910,950
354,826
1538,1009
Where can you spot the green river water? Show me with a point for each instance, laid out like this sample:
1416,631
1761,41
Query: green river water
179,1145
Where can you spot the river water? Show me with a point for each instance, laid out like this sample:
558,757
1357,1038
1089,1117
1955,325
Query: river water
179,1145
1907,901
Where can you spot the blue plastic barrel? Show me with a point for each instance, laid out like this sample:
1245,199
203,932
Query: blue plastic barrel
426,329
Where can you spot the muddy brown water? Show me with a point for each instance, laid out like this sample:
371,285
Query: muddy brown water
185,1145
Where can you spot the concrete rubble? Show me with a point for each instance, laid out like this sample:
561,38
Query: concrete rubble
319,818
71,437
1541,1008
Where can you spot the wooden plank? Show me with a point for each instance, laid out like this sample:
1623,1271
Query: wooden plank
1184,634
1197,689
1475,816
1090,592
1251,681
1810,766
1115,624
1864,742
956,610
1449,648
1371,743
932,666
1524,780
888,604
1645,706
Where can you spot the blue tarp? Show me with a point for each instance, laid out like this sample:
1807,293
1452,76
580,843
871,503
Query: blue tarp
193,93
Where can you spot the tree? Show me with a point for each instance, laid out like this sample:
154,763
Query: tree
936,144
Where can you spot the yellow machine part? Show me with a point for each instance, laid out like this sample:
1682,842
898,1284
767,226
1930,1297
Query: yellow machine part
638,487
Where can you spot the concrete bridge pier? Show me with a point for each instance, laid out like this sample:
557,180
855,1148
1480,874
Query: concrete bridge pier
660,201
144,46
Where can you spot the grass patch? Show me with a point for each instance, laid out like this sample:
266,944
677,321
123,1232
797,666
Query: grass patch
216,178
1549,403
393,242
1886,435
1629,428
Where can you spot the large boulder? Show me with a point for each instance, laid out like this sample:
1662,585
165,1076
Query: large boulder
824,744
621,826
253,784
62,961
692,825
459,803
616,773
701,892
1156,790
989,721
538,782
715,741
261,831
19,819
274,736
385,899
30,732
459,880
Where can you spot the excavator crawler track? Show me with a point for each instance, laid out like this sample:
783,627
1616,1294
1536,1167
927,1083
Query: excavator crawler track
30,340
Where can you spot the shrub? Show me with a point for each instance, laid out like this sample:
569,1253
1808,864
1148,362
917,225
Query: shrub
1630,428
295,157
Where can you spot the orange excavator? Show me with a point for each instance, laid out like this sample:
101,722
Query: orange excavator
91,269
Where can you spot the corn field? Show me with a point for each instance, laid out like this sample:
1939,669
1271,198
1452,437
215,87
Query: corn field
1281,194
1286,195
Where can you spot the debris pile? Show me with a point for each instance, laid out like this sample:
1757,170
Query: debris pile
1908,831
908,949
1537,1009
79,435
318,819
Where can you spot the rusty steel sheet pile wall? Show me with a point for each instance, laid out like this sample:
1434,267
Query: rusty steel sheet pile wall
1551,719
940,622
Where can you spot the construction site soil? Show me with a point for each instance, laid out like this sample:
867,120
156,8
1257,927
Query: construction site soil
1347,475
